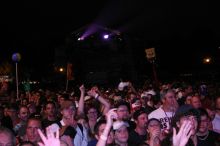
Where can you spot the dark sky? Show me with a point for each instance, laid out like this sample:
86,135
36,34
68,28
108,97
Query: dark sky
34,28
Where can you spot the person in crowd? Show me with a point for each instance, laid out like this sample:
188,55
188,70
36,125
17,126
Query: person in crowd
154,133
167,110
188,99
196,102
205,136
91,111
7,138
186,119
33,124
50,111
123,112
6,121
99,128
69,128
119,127
186,90
139,134
12,112
216,120
23,114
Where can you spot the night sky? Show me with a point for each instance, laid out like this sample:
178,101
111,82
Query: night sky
182,33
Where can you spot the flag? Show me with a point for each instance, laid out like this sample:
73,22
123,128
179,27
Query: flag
69,71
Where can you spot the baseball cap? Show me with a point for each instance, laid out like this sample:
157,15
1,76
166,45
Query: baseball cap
118,124
138,112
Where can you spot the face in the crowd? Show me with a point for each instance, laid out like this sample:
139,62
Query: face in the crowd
6,139
170,99
24,102
122,112
204,124
23,113
31,131
50,110
154,125
132,96
110,138
92,114
188,99
61,100
121,134
12,113
195,102
142,121
68,117
193,120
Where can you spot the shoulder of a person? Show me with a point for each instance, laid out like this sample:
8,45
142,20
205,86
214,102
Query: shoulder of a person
215,134
155,112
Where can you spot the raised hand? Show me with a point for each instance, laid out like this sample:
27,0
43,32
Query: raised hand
110,116
82,88
50,139
182,137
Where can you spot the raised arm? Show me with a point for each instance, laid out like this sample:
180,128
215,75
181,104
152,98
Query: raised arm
80,109
95,93
109,117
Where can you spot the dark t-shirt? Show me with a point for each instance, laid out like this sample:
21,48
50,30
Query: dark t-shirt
212,139
135,139
46,123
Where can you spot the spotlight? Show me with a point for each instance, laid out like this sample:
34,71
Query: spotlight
80,39
106,36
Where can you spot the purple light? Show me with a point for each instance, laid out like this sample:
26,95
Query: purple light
80,39
106,36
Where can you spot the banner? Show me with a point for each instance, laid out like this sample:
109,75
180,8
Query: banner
150,53
69,71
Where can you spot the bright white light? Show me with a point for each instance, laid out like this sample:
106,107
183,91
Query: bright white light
80,39
106,36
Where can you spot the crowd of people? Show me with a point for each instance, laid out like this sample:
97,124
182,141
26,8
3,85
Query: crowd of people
171,114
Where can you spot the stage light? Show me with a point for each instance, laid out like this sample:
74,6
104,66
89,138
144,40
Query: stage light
80,38
106,36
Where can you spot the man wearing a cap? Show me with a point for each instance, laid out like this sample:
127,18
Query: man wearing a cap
139,134
167,110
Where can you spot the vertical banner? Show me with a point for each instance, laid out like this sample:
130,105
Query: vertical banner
69,71
150,53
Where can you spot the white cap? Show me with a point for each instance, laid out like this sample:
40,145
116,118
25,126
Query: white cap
121,85
118,124
150,92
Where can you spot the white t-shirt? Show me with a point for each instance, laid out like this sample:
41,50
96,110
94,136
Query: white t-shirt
216,123
162,116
